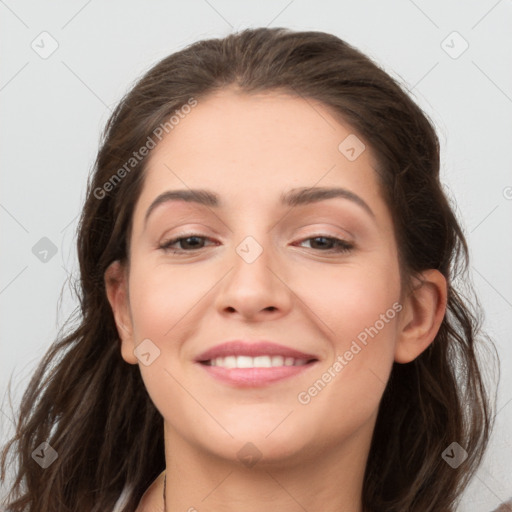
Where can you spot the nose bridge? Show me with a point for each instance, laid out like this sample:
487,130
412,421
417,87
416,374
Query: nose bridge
252,285
253,256
252,239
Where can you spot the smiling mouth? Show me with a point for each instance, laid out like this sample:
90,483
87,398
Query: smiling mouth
256,362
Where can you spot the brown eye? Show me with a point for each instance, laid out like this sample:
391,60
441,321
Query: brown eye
329,244
187,243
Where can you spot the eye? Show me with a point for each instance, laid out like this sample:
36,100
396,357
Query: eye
188,243
330,244
193,241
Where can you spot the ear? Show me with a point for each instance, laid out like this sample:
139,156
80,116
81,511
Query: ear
116,285
422,316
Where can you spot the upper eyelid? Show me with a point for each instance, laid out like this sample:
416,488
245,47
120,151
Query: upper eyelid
328,216
317,233
321,231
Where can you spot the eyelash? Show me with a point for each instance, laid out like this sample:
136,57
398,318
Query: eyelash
342,245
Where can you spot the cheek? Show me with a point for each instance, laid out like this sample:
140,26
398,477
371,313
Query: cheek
357,309
348,299
161,296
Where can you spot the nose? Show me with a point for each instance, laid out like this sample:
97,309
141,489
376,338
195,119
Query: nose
255,289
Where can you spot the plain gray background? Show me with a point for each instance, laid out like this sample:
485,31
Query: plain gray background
54,107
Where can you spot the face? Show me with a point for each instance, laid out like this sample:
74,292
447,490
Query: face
318,275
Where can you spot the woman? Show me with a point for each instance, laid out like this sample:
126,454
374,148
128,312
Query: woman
268,306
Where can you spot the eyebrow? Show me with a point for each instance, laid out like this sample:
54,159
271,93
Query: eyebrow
292,198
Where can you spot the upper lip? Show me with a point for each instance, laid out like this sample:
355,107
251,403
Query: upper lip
252,349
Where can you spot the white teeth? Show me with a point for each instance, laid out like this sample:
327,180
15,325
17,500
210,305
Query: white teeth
277,360
256,362
229,362
244,362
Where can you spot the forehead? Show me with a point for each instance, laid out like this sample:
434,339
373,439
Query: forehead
252,147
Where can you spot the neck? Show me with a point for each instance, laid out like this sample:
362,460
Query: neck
329,481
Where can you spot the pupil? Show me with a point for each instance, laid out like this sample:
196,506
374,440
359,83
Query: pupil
191,238
320,238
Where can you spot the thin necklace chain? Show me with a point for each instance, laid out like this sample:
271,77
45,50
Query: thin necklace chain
165,481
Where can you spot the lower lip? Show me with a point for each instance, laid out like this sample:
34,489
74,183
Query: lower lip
253,377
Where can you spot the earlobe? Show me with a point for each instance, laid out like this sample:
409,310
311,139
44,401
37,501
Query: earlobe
116,286
423,314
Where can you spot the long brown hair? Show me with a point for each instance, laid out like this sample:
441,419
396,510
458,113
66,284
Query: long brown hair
93,408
